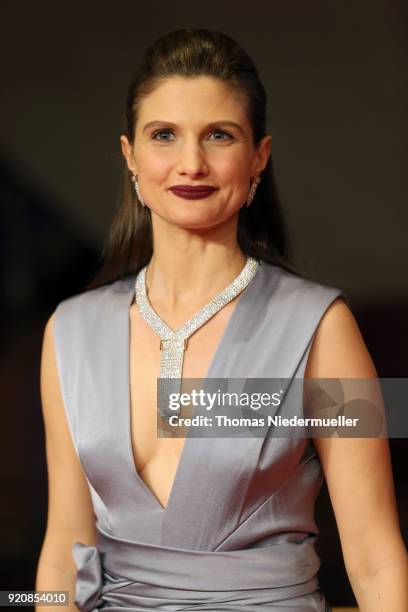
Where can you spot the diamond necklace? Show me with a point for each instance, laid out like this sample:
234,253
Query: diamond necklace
173,343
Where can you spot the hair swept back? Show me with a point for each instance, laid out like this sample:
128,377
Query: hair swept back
190,53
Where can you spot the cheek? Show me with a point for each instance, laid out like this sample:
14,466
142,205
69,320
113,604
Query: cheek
233,170
234,175
153,166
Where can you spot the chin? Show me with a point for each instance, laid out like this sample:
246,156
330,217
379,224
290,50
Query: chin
193,219
196,214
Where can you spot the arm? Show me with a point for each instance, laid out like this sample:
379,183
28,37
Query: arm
70,512
359,477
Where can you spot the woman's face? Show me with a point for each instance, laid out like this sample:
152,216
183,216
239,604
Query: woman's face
194,132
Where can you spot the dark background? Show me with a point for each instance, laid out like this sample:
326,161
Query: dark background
335,72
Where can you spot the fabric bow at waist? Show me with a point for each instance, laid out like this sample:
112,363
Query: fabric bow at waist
124,573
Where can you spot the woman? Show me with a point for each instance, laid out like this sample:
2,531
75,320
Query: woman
196,270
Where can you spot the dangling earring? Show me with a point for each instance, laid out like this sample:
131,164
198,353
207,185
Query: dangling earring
252,190
136,186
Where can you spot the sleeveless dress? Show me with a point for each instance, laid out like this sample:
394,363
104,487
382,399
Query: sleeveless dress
238,532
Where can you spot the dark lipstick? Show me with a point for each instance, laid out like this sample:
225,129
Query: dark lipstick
192,192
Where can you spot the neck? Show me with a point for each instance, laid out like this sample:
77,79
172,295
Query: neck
189,269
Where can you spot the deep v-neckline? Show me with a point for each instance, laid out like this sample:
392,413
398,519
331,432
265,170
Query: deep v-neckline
224,338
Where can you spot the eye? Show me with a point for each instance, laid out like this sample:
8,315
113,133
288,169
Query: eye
157,135
223,133
161,132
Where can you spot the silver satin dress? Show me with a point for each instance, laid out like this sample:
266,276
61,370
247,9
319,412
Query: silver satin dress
239,530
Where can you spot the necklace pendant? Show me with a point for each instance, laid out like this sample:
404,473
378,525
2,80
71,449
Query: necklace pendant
171,369
173,343
172,357
167,387
168,340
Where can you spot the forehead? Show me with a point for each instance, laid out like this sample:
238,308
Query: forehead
200,99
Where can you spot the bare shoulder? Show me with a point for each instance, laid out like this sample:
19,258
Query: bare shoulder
70,511
357,470
338,349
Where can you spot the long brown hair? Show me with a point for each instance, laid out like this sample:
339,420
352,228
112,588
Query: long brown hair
191,53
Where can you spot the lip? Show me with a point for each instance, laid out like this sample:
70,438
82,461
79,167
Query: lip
192,192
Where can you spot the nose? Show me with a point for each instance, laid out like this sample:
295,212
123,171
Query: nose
192,161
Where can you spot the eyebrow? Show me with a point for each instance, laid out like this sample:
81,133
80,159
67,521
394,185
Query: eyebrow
225,122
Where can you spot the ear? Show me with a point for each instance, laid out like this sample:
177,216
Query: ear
262,154
127,153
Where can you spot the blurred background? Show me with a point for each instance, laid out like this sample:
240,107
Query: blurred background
335,73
